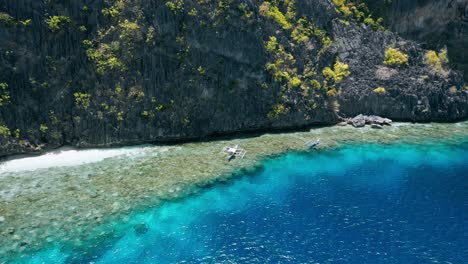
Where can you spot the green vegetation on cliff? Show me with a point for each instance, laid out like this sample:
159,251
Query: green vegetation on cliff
394,57
435,60
358,10
4,94
57,23
379,90
128,70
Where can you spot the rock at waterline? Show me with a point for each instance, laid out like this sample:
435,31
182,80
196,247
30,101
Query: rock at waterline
361,120
358,121
342,124
376,126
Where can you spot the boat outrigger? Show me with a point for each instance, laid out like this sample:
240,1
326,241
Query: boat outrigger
312,143
234,152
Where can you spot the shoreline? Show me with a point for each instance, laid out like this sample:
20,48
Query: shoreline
119,185
168,141
240,134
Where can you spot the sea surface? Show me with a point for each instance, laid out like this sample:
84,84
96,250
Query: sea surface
356,203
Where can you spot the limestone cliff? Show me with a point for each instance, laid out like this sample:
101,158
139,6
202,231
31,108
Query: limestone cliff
435,23
103,72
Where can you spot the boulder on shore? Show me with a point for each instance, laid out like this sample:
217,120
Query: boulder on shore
361,120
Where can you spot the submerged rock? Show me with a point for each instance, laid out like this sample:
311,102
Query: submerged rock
141,228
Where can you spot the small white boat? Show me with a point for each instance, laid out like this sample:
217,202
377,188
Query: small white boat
235,151
313,143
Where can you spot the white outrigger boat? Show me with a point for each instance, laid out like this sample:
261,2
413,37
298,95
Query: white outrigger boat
234,152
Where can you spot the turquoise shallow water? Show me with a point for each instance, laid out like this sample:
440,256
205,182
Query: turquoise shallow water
355,204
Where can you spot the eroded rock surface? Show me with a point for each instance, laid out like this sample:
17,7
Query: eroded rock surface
106,73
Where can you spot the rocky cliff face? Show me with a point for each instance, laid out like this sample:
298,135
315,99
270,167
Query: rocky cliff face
96,73
435,23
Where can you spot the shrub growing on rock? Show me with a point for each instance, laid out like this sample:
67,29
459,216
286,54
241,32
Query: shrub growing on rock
82,100
5,131
436,61
379,90
271,44
394,57
6,19
176,6
278,110
273,12
339,72
56,23
4,94
43,128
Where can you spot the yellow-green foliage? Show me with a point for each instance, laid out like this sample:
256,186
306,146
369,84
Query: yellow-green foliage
4,131
328,73
176,6
115,10
43,128
341,71
375,24
443,56
345,22
4,94
201,70
302,31
120,116
379,90
246,11
278,110
305,29
193,12
17,133
150,34
271,44
136,93
342,7
56,23
331,92
128,30
105,58
273,12
326,44
338,73
436,61
359,11
295,81
283,66
6,19
394,57
316,84
25,22
82,100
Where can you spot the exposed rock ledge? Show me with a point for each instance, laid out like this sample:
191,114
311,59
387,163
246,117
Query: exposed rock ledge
363,120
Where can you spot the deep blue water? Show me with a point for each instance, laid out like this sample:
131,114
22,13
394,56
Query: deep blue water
357,204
